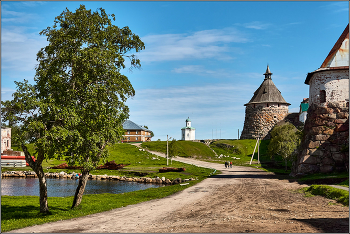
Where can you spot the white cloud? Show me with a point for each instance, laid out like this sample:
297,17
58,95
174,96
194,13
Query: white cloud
337,6
208,106
19,49
8,16
198,45
255,25
201,70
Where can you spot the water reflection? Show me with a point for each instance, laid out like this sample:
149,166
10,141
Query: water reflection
66,187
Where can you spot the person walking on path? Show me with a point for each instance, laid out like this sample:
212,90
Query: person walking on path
226,164
231,164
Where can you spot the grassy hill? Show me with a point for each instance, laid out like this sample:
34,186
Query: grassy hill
141,163
185,148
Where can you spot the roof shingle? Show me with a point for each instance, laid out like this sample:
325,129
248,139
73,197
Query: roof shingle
267,92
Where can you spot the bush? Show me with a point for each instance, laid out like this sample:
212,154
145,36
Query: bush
341,196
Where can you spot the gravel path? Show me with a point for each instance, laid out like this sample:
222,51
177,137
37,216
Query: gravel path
241,199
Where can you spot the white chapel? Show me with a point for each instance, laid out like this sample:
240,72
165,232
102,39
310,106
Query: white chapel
188,133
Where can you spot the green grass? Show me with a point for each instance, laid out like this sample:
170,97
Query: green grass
142,164
345,183
324,176
341,196
23,211
185,148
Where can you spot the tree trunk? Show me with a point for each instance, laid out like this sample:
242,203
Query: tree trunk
36,166
44,208
80,189
285,162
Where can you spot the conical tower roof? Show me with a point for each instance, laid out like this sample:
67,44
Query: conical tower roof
267,92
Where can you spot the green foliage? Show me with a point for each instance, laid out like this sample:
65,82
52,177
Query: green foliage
285,140
83,61
341,196
173,148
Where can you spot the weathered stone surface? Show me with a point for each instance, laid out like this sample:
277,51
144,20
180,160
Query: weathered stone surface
167,181
319,122
343,115
314,144
329,127
328,131
321,137
326,168
340,121
307,169
308,159
338,157
317,152
342,127
327,161
317,130
176,181
261,120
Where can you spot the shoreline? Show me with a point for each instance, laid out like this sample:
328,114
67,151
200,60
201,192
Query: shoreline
64,175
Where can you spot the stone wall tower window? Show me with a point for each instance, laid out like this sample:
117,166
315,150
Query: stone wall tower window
323,96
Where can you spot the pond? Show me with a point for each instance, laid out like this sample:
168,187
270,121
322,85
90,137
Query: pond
66,187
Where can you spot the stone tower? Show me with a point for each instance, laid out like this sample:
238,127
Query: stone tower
326,143
266,108
188,133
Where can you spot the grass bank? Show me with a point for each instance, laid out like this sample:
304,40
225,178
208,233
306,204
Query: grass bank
23,211
185,148
141,164
341,196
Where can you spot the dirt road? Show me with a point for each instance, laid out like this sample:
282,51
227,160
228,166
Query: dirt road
241,199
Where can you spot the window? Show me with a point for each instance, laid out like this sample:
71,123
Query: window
128,132
7,143
137,138
254,105
323,96
267,104
128,138
137,132
278,105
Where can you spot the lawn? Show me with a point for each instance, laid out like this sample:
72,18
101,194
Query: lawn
142,164
185,148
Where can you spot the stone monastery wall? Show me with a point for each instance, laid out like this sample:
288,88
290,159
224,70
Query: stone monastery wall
326,144
261,119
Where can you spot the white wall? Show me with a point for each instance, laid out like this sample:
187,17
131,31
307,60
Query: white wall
190,134
5,139
303,116
334,82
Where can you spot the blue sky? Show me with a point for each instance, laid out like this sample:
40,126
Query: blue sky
203,60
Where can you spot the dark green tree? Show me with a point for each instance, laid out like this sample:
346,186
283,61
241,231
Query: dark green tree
80,89
173,148
285,140
37,127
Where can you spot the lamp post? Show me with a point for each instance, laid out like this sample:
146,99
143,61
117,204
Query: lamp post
167,150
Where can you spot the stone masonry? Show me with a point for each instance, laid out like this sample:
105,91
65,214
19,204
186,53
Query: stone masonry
326,144
261,119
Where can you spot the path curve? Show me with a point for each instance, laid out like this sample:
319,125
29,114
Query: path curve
221,203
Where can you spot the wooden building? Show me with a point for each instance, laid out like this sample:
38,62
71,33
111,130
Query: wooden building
135,133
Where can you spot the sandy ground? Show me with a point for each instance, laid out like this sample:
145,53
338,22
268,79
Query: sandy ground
241,199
